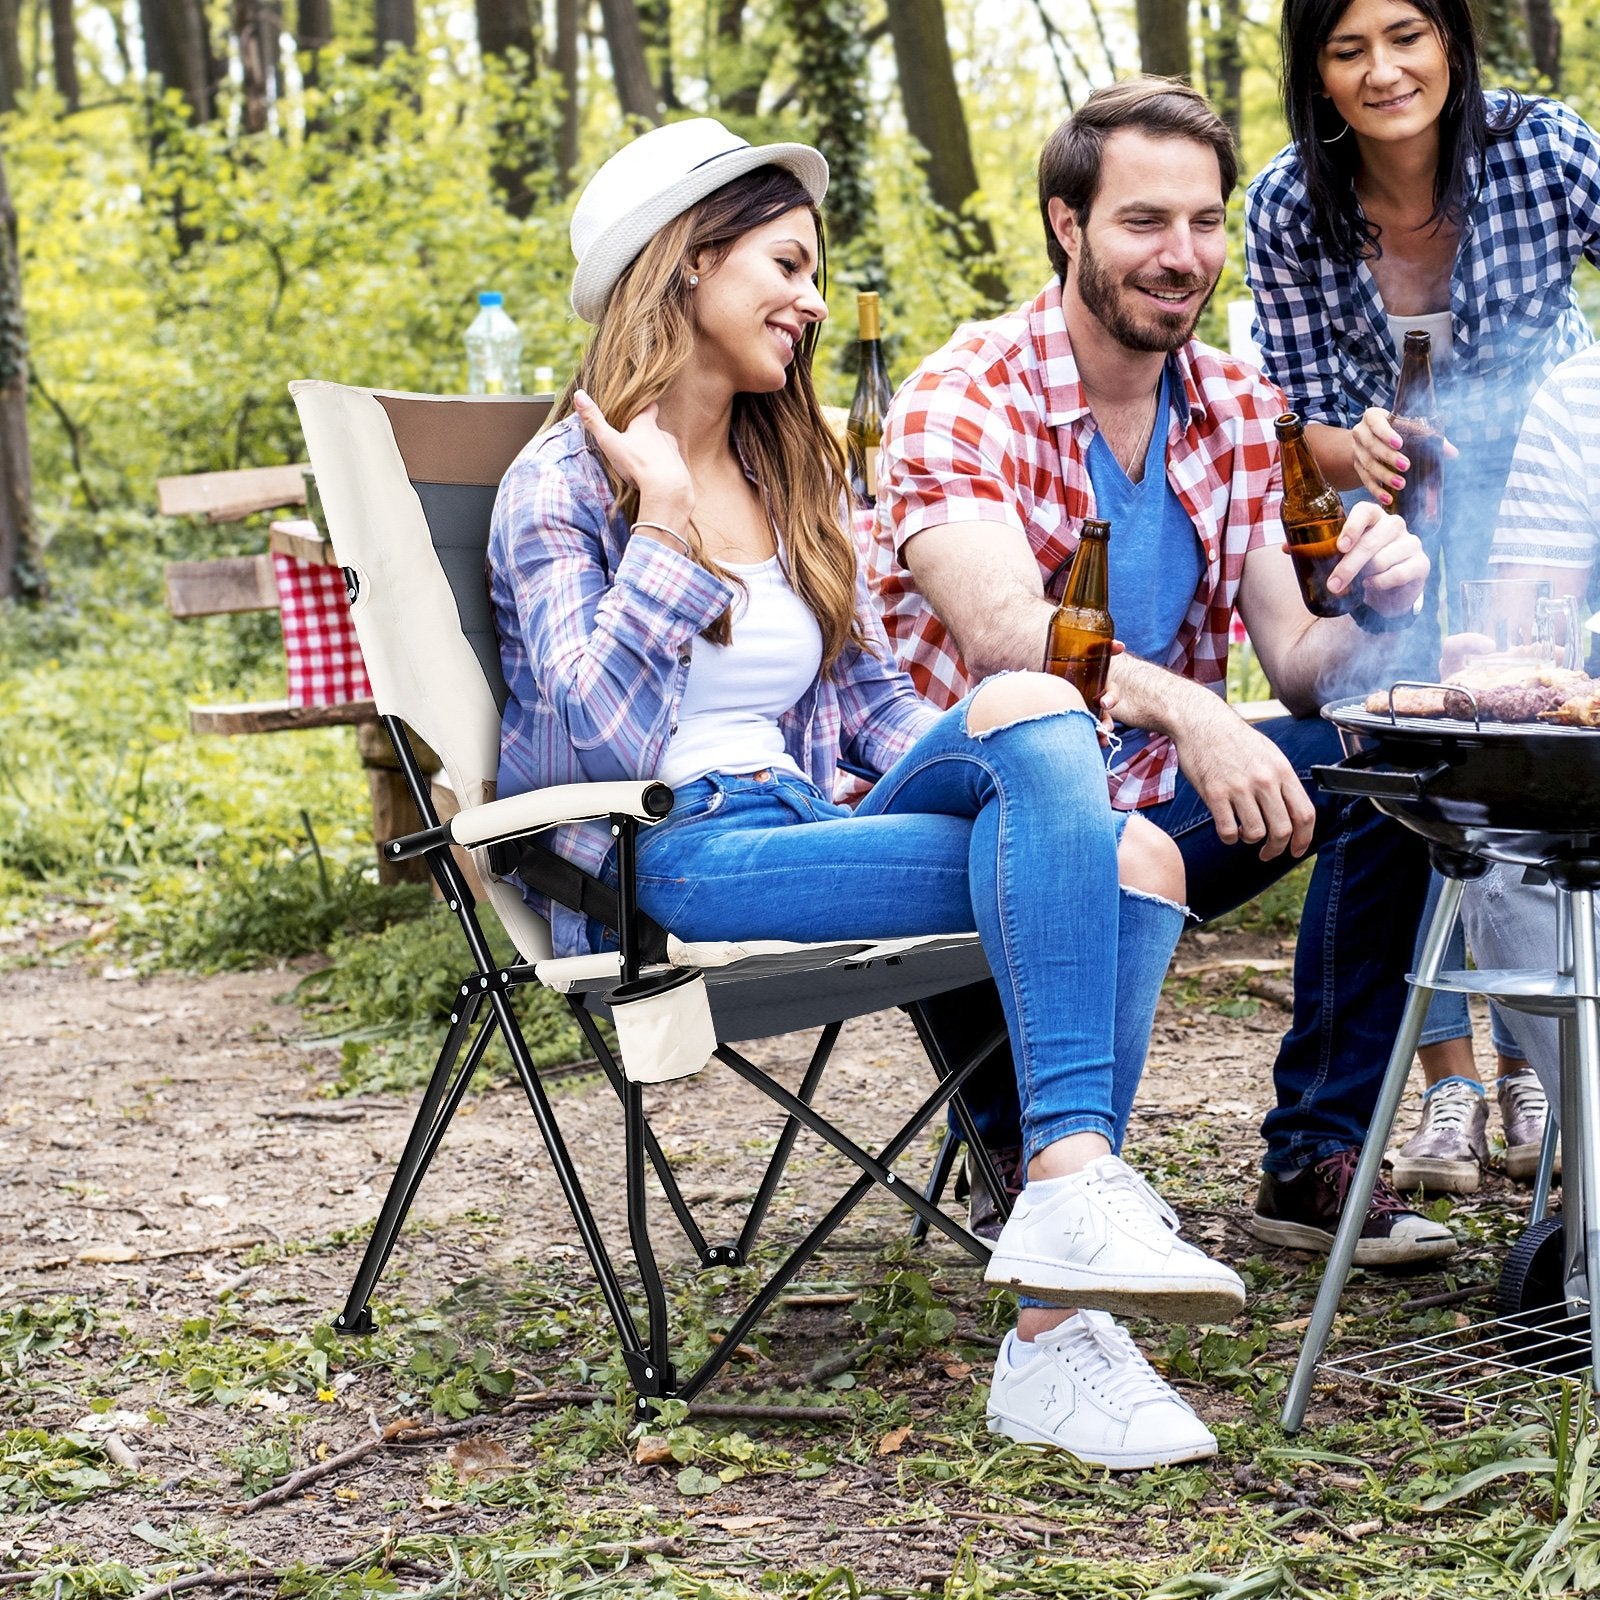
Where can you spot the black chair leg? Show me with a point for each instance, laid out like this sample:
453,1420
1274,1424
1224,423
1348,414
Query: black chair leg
944,1164
439,1103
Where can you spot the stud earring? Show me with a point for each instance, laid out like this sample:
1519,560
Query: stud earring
694,280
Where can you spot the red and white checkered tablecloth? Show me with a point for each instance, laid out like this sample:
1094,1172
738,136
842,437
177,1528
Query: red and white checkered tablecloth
325,666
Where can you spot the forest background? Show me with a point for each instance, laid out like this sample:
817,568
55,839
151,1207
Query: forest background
203,199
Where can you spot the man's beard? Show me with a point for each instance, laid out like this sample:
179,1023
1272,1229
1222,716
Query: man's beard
1103,298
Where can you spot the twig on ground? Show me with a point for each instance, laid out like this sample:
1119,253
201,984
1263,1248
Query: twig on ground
847,1297
842,1361
762,1413
1447,1297
210,1578
1272,990
665,1544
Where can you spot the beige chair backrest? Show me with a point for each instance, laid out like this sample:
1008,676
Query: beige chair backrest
408,484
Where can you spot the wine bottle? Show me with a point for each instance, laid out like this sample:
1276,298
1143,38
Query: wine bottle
864,431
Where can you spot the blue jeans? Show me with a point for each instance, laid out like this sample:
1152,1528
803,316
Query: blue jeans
1008,834
1357,930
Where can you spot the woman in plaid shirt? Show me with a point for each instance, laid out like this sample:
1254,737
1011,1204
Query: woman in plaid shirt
676,594
1410,198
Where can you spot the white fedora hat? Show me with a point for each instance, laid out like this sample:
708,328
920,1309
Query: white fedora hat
656,178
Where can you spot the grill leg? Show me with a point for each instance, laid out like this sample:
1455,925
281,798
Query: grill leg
1586,979
1359,1195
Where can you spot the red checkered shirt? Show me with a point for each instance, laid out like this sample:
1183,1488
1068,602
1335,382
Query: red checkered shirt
995,428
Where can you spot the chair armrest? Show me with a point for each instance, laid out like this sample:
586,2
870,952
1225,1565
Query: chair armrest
649,801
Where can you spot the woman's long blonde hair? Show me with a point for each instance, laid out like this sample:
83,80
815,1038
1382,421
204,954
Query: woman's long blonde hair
646,338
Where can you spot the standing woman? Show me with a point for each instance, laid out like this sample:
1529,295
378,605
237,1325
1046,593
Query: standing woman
1412,199
676,595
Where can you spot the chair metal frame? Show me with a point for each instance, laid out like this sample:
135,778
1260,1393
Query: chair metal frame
825,985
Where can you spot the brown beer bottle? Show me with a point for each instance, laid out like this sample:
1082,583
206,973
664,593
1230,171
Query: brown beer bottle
1079,644
864,430
1415,417
1313,517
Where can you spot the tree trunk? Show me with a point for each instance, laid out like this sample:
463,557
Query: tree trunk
1544,39
177,49
655,24
521,148
567,24
938,123
1164,38
313,31
19,575
10,54
743,68
625,40
394,23
253,64
832,72
64,51
1224,60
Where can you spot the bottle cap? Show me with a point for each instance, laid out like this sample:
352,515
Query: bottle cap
491,297
868,314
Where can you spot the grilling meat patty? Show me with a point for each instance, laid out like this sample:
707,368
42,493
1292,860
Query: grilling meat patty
1504,692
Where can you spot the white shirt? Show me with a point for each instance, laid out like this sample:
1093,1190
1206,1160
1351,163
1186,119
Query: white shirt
1438,327
735,693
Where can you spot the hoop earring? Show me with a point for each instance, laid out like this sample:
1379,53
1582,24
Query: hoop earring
1337,137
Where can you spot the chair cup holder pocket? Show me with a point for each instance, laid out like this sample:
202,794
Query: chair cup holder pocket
664,1027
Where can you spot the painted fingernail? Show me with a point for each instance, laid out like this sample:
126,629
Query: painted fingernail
1386,499
1397,483
1396,442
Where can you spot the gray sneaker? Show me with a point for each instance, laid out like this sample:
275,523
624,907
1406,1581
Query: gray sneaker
1450,1150
1523,1109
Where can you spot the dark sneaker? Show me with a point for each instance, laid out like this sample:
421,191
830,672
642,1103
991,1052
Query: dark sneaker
983,1214
1448,1153
1302,1213
1523,1110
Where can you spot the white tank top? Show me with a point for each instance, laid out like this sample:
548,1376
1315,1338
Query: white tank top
735,694
1438,327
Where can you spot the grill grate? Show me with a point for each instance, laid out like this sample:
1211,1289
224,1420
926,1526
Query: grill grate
1501,1365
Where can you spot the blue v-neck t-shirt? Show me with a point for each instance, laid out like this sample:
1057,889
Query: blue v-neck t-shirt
1155,559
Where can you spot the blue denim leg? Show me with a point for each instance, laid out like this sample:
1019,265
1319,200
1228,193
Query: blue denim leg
1008,834
1448,1017
1357,931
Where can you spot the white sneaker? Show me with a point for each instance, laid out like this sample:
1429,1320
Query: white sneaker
1104,1238
1089,1391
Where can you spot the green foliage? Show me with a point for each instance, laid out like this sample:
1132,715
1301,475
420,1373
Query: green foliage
42,1468
905,1306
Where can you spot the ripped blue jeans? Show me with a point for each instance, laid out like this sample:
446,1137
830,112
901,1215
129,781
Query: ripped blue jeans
1008,834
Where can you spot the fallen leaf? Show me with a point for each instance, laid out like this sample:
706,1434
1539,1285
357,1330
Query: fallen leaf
1359,1530
695,1482
652,1452
478,1458
102,1255
957,1369
1294,1325
894,1441
112,1422
347,1494
120,1454
267,1400
744,1524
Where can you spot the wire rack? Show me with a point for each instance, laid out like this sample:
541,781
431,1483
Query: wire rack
1502,1365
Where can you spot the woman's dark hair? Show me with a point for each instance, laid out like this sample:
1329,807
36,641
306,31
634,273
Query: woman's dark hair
1328,160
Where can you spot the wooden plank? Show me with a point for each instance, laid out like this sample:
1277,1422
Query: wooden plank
277,716
223,496
301,538
217,588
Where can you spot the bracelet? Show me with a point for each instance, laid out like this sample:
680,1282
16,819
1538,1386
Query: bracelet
1370,621
671,533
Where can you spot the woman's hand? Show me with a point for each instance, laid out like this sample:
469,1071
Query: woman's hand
646,456
1378,459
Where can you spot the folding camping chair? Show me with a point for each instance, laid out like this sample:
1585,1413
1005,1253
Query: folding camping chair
408,485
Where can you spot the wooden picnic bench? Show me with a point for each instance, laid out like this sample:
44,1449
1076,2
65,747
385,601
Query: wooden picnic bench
227,585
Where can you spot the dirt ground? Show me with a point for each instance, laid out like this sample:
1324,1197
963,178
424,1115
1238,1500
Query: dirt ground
165,1155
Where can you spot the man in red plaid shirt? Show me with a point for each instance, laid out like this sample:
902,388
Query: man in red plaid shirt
1096,400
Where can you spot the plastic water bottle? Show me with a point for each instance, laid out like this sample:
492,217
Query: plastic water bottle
494,349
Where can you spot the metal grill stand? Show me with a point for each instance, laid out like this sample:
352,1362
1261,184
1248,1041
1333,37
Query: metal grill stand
1572,995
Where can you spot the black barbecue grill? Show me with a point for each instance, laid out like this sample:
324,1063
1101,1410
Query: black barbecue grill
1527,794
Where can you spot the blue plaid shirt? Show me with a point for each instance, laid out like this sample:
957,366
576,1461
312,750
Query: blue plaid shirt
597,630
1320,323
